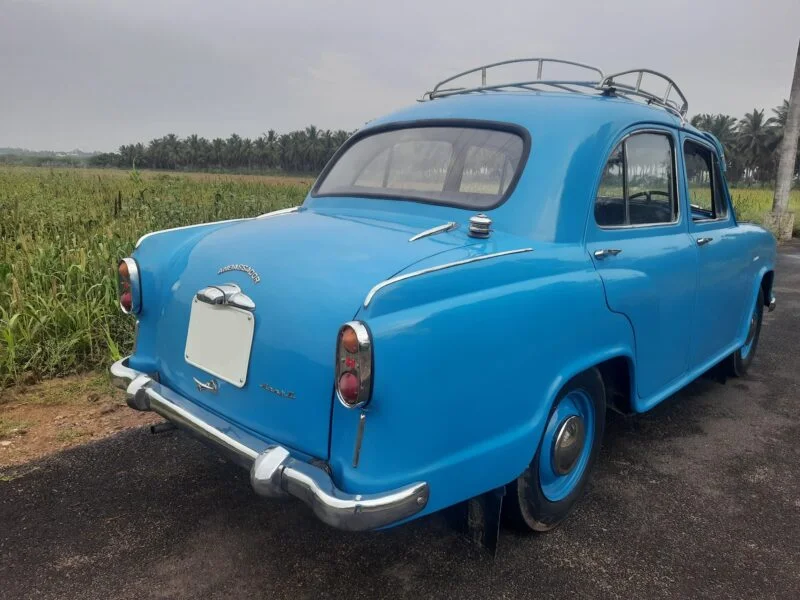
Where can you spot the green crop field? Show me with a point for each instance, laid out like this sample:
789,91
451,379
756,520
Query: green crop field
61,234
63,230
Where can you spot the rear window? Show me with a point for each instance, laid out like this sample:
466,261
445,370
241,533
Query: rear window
468,167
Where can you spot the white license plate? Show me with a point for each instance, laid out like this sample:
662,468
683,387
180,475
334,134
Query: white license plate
219,341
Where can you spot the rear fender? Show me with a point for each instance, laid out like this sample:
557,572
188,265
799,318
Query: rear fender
463,384
764,261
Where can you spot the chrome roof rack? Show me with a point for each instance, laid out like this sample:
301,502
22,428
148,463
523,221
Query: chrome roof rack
570,85
610,85
598,82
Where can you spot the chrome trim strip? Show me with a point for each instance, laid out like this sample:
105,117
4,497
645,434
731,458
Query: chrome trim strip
279,212
135,335
449,226
362,419
275,472
274,213
457,263
160,231
136,287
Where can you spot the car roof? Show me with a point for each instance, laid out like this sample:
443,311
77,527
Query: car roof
535,110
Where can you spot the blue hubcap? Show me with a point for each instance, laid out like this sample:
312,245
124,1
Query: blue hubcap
566,446
751,334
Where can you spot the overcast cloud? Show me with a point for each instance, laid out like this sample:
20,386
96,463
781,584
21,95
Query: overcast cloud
97,74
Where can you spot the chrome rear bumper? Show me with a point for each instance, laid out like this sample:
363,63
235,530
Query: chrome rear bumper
274,472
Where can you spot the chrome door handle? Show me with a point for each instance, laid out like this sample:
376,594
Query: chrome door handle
702,241
601,254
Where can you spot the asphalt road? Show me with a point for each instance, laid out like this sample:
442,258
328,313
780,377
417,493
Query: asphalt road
698,498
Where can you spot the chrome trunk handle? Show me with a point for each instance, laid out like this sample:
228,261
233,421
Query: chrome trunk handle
211,386
228,294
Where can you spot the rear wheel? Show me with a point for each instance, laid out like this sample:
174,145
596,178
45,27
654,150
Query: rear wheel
739,361
547,491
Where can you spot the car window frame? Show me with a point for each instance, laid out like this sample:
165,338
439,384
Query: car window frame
716,182
677,213
512,128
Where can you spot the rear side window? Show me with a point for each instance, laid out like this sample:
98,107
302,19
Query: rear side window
638,183
704,180
468,167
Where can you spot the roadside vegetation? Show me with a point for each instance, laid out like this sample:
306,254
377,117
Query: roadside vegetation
63,230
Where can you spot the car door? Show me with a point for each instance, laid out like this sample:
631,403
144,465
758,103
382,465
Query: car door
639,242
723,283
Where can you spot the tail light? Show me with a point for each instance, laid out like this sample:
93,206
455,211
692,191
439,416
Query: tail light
129,288
354,365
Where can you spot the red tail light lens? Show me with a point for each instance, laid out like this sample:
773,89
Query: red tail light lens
126,301
128,285
348,388
354,365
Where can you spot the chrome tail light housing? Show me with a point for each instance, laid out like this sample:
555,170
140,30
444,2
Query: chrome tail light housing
354,365
129,289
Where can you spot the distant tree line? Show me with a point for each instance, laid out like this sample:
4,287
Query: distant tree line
751,143
304,151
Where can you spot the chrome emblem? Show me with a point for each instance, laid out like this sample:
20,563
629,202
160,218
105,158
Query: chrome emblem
246,269
277,392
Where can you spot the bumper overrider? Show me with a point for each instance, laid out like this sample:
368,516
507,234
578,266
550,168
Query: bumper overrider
274,472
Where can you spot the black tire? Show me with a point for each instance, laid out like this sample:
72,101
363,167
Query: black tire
526,506
740,361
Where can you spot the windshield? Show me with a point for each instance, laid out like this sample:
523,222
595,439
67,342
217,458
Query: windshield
468,167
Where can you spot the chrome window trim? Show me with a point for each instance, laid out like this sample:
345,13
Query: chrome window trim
457,263
449,226
669,134
451,122
714,161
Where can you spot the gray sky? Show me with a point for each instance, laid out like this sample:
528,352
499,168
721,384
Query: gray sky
97,74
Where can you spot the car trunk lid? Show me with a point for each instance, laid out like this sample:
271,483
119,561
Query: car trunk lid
307,273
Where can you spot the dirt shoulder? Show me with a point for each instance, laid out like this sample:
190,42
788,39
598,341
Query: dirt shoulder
47,417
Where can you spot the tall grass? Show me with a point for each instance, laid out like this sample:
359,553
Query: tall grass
63,230
61,234
752,203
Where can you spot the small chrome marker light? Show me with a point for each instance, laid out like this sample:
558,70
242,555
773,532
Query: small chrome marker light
129,287
480,226
354,365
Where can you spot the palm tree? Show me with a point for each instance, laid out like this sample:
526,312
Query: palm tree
788,151
754,138
781,114
723,127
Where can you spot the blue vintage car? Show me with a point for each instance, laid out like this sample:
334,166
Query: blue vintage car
469,285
